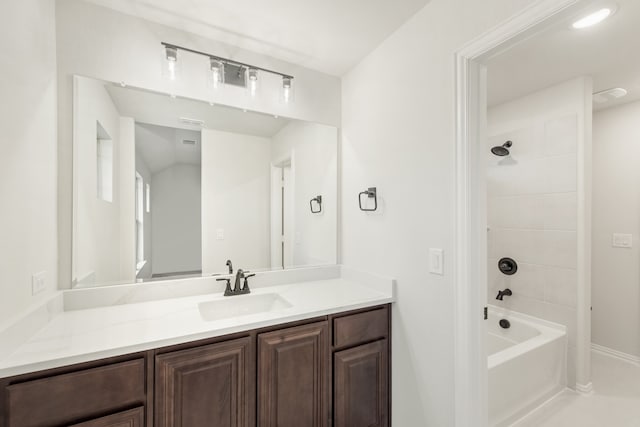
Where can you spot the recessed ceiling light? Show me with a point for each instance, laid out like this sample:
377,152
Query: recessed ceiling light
593,18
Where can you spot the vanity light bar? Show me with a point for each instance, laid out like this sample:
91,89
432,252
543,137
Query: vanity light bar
224,60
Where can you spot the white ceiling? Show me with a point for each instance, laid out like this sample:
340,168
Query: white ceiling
161,147
608,52
329,35
162,110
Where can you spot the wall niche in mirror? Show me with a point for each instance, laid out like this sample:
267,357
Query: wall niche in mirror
171,187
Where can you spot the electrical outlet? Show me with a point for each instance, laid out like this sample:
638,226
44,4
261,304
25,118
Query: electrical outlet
220,234
38,283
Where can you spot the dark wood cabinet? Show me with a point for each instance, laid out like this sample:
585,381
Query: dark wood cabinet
360,327
79,395
293,377
328,371
130,418
212,385
360,397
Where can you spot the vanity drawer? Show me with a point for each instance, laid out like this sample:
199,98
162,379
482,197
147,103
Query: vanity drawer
130,418
362,327
66,398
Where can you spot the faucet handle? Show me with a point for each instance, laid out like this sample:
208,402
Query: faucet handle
228,290
245,287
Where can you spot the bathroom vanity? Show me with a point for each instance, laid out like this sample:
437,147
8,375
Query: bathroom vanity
321,357
167,190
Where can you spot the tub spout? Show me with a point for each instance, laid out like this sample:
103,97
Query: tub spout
506,293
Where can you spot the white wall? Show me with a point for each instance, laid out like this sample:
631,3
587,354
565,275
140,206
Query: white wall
398,134
142,168
236,180
27,153
96,221
127,198
101,43
312,149
176,226
532,204
616,209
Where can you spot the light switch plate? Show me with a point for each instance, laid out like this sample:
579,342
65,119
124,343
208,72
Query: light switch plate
436,261
38,283
622,240
220,234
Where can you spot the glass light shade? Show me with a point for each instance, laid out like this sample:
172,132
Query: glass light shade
216,75
287,92
170,64
252,82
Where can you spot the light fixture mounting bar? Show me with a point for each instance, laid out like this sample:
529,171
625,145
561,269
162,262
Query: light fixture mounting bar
225,60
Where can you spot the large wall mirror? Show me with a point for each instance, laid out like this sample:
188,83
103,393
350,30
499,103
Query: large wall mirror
170,187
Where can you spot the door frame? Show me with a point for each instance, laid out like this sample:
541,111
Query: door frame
470,281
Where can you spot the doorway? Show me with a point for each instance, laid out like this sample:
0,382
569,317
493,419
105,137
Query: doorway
471,373
282,218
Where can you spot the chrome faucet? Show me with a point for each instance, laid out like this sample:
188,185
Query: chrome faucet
506,293
239,288
230,265
244,289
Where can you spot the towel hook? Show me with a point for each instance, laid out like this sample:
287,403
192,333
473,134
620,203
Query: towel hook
318,200
371,193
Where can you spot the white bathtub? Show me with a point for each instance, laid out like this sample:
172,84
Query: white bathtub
527,364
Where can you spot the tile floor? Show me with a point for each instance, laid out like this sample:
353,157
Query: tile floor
615,401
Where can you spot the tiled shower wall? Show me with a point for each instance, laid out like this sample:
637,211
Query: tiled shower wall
532,209
532,205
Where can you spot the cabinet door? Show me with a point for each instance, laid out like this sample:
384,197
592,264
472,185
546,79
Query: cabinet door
361,396
293,377
212,385
131,418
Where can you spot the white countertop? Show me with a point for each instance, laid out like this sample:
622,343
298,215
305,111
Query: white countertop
82,335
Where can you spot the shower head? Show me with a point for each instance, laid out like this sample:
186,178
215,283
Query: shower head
502,150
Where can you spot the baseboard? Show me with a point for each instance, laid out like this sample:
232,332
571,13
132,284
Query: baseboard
616,354
585,388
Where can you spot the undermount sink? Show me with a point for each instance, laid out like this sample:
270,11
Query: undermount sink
242,305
